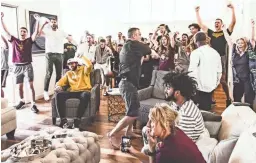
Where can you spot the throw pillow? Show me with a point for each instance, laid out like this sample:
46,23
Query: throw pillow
223,150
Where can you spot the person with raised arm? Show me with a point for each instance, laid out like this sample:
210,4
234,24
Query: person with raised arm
243,78
22,59
219,43
54,50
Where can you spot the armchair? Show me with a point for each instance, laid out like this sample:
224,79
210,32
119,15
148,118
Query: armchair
72,103
151,95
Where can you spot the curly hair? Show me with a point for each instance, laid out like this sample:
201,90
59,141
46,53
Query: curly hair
182,82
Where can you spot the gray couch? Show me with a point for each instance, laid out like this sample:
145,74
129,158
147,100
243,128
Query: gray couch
72,104
151,95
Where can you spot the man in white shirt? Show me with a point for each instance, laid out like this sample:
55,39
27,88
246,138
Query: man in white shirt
87,49
54,39
120,39
205,67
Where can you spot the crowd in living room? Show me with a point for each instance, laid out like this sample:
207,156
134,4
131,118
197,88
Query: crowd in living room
167,81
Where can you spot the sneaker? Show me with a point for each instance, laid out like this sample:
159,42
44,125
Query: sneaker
77,122
34,109
63,123
46,96
228,102
20,105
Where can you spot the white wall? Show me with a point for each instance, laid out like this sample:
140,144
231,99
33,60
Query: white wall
43,6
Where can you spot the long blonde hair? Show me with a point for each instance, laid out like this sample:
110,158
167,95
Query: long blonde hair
165,115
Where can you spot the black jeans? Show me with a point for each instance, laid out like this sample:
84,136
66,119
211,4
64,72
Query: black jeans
57,60
204,100
244,87
62,97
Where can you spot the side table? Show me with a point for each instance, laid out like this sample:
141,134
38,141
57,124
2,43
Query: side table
116,106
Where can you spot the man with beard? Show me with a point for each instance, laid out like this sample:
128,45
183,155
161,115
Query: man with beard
219,43
180,88
54,49
78,81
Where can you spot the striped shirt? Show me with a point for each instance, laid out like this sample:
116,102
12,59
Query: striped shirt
191,119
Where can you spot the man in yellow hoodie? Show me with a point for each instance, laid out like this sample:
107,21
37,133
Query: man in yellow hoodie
77,79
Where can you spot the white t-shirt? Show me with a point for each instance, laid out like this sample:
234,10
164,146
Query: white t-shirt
205,67
86,50
54,40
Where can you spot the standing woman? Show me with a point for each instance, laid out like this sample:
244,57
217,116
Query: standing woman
241,70
165,55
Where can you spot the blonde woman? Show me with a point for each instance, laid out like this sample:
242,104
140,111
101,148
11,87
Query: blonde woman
243,53
174,146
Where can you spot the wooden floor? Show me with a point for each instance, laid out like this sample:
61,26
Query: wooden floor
29,123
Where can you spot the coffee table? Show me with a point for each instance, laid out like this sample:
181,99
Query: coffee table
116,105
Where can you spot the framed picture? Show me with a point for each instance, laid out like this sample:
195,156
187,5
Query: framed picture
39,44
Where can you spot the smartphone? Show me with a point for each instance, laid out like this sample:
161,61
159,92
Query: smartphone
125,143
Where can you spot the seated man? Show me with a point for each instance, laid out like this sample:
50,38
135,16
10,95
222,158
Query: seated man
179,90
78,81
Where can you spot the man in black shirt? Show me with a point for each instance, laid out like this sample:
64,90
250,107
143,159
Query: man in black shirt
219,43
69,52
131,58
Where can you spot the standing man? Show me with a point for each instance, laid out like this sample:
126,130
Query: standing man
69,52
4,63
219,43
22,58
120,39
205,67
131,57
54,39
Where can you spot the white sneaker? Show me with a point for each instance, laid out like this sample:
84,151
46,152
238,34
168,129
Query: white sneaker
46,96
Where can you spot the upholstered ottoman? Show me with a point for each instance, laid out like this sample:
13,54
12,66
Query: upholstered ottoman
76,147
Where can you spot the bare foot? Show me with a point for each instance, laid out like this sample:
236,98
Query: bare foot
133,135
115,147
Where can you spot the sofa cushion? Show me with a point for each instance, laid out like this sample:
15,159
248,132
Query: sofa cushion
158,91
213,128
245,149
206,144
236,119
151,102
7,115
4,103
223,150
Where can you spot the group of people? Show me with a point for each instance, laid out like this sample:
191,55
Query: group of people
197,64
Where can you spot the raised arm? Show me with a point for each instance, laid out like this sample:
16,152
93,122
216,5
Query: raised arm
233,20
4,26
35,34
42,28
227,36
199,20
253,34
154,37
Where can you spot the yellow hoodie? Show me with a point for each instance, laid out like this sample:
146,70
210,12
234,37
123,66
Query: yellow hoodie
78,80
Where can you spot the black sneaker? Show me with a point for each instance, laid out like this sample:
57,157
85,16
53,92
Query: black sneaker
228,102
20,105
34,109
77,122
63,123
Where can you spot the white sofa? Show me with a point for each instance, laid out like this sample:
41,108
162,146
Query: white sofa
8,119
235,142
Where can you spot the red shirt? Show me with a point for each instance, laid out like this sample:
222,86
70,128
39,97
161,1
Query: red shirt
179,148
22,50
